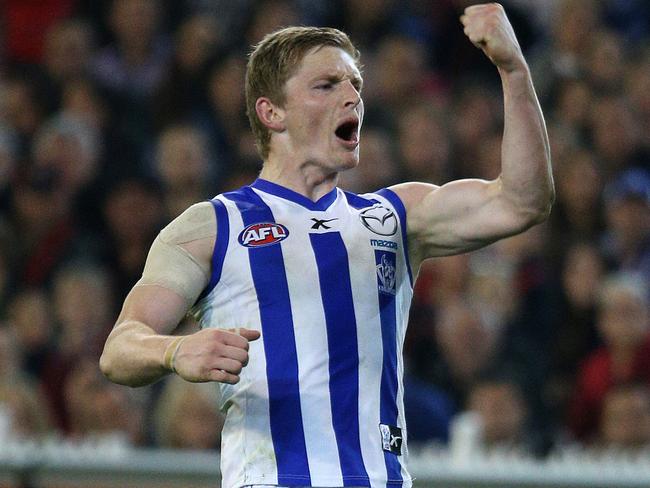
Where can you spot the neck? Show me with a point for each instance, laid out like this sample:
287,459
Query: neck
307,178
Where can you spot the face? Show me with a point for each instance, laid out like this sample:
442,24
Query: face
323,111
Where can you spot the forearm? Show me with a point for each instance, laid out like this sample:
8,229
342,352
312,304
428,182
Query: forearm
526,174
134,354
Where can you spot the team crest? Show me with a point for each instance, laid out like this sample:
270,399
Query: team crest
386,272
263,234
380,220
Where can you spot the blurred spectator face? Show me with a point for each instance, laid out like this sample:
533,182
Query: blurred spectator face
579,183
424,144
628,210
133,212
502,410
572,36
614,130
30,315
638,87
28,419
39,203
605,62
491,288
68,148
489,162
466,342
199,424
9,354
134,22
574,102
376,168
400,69
97,407
182,155
226,87
623,317
197,39
82,101
82,320
18,106
67,51
269,16
187,416
448,278
625,420
581,275
474,117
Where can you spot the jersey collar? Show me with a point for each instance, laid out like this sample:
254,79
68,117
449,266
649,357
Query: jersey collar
321,204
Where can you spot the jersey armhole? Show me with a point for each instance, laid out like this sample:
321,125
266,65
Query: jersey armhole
220,246
397,204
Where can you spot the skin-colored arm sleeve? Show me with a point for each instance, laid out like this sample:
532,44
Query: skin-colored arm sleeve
176,271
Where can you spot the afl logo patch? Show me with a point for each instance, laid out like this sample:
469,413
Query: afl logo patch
380,220
263,234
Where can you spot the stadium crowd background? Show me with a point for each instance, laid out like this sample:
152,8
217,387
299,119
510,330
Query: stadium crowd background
116,115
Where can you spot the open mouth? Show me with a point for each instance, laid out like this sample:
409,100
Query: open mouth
348,131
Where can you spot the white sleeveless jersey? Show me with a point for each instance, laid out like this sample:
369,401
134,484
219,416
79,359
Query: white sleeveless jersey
329,286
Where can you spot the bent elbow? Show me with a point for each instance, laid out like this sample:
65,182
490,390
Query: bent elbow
106,366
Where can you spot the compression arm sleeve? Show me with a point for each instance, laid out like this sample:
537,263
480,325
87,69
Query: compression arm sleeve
171,265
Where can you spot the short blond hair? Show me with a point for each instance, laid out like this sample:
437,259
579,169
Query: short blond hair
274,60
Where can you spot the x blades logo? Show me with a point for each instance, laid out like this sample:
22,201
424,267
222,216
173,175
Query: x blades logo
318,223
263,234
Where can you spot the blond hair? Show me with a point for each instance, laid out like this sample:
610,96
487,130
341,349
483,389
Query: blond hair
274,60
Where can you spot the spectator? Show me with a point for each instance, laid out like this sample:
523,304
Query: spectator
626,243
503,413
184,166
624,324
187,416
625,420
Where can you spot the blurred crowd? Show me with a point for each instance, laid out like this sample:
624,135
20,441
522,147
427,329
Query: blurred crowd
117,115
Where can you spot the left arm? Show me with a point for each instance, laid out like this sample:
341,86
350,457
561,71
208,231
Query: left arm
467,214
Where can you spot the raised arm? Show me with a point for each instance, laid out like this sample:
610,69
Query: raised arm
467,214
140,349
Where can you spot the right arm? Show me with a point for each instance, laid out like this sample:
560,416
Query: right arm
140,349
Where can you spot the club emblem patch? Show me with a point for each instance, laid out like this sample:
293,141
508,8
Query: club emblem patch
380,220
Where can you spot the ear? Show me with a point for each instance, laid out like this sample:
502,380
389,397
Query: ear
271,115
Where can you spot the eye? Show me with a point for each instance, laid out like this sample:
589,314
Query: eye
324,86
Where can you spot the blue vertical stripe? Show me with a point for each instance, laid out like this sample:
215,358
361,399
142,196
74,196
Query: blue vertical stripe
336,291
220,245
388,394
270,280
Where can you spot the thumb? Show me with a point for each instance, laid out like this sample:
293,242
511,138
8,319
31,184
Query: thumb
248,334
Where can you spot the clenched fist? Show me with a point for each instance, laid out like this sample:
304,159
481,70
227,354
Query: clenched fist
488,27
214,355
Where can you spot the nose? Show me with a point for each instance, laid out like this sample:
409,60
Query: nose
352,95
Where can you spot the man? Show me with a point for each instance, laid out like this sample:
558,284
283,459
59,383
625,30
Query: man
325,276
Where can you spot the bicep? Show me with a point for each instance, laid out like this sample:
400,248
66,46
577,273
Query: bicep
158,307
459,216
177,270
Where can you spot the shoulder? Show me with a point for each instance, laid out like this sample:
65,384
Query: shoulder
197,222
194,230
412,193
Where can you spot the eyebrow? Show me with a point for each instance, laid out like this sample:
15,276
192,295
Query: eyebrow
337,77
